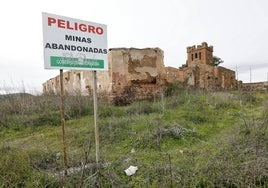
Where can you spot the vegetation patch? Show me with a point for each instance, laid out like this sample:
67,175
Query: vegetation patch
188,138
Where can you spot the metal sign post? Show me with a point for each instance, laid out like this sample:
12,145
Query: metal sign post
97,146
63,122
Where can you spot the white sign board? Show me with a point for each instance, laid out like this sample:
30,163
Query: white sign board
74,44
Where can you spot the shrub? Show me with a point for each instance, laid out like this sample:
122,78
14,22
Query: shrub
78,106
159,131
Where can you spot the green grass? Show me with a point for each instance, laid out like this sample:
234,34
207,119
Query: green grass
197,139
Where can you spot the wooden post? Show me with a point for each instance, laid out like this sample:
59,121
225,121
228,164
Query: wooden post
63,122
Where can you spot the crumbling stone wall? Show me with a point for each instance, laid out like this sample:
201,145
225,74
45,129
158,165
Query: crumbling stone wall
78,82
137,73
225,78
174,75
199,75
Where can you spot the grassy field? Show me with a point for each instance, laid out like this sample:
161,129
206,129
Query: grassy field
188,138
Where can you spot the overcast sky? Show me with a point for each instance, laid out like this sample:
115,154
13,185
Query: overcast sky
238,30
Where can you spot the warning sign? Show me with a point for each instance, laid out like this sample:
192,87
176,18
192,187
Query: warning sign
74,44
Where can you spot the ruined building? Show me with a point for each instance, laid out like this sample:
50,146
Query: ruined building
257,86
140,73
137,73
200,72
133,74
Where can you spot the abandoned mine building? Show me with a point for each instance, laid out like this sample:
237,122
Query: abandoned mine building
200,72
135,74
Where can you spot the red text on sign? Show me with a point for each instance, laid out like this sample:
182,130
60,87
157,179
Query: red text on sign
65,24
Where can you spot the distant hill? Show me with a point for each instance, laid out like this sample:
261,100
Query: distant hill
15,95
